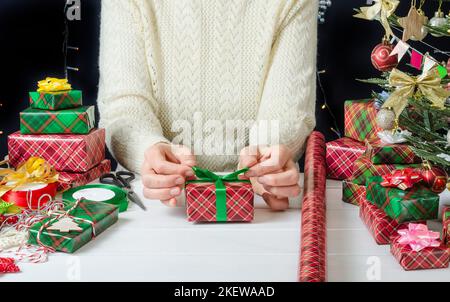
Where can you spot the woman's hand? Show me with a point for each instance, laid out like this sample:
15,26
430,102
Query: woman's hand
165,170
273,173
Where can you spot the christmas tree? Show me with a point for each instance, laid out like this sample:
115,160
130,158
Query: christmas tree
414,106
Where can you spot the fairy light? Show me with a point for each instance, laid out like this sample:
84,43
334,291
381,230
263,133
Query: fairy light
335,128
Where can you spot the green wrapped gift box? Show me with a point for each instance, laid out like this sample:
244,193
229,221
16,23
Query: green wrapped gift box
69,121
56,100
416,204
102,216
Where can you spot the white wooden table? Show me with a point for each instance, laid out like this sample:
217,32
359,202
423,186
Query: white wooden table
160,245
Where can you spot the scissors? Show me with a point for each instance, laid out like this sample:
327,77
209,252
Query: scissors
123,180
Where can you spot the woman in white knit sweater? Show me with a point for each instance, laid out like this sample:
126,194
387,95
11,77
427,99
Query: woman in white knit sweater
178,75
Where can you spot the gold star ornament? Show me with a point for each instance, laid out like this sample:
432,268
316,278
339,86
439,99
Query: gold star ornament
413,25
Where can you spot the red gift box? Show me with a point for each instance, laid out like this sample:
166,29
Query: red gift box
68,153
446,226
341,154
428,258
201,202
380,225
70,180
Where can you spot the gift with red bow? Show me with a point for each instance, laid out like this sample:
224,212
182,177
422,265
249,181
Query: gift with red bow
419,248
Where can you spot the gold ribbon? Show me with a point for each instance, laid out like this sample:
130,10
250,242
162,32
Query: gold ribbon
34,170
381,9
54,85
429,85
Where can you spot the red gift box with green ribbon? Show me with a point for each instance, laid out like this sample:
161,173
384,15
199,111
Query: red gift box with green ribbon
360,120
446,226
364,168
69,121
216,198
88,219
353,193
56,100
341,155
416,204
380,153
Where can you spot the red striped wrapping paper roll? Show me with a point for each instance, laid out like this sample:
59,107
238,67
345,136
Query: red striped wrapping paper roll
313,240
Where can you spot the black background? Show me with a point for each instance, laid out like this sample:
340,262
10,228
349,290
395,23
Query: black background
31,36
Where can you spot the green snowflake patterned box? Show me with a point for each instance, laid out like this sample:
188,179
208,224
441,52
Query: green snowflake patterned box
416,204
56,100
69,121
77,225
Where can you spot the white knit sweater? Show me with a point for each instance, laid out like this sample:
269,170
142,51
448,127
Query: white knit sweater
169,64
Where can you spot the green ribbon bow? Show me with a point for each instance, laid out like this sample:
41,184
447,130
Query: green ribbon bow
204,175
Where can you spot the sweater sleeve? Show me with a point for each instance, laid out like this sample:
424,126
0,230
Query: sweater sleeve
128,109
289,93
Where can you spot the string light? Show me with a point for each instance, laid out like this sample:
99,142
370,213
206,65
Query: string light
335,128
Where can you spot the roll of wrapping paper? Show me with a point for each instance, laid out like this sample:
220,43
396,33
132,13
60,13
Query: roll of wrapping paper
313,240
101,193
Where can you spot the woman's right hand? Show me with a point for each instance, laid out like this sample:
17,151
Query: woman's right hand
165,170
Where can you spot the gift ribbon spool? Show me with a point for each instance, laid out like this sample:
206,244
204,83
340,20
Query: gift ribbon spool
32,196
99,192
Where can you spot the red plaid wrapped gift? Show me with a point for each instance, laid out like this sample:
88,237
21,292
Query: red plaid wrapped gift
380,153
68,153
446,226
213,198
70,180
360,120
380,225
428,258
363,169
341,154
353,193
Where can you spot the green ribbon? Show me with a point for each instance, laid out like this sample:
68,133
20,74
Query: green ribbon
204,175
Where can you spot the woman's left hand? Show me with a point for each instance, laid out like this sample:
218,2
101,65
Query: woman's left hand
273,172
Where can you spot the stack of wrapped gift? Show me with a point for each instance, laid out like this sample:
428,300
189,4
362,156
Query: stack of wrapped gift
59,129
361,154
396,210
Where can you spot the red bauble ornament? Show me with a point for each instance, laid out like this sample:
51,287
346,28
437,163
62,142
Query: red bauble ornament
435,178
381,58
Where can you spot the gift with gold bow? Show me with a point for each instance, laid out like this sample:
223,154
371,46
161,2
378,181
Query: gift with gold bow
381,10
55,94
428,86
31,185
219,198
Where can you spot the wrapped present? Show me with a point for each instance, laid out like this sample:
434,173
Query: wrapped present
74,226
214,198
363,169
416,204
360,120
380,225
69,153
69,180
353,193
380,153
79,120
56,100
418,248
341,154
446,226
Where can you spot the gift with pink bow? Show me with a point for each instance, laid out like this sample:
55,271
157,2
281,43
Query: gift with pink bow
417,247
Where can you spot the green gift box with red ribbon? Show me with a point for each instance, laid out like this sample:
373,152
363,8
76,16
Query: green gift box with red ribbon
91,217
416,204
79,120
56,100
219,198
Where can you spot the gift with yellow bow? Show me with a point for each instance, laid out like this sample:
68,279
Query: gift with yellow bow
55,94
219,198
31,185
